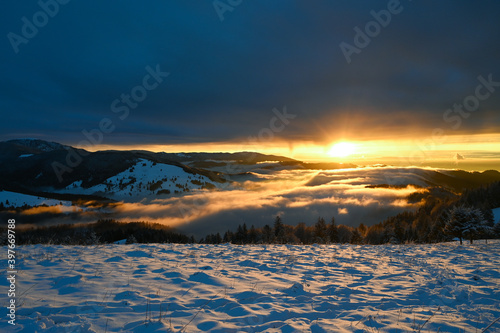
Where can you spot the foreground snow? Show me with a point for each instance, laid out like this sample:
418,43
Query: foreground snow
279,288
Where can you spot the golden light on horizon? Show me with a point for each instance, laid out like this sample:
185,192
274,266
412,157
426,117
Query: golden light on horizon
481,151
342,149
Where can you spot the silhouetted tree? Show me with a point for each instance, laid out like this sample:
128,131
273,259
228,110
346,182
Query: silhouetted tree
356,237
253,235
399,231
279,230
228,236
465,222
267,234
131,240
241,234
333,235
320,230
496,230
345,233
300,232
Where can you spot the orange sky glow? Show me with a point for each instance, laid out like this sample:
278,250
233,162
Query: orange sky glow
473,152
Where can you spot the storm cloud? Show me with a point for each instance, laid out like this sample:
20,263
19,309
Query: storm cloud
227,75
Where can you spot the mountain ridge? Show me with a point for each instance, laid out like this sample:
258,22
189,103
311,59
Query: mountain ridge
27,166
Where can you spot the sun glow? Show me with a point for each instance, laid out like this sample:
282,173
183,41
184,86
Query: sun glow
342,149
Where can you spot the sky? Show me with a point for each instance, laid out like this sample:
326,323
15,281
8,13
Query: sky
288,77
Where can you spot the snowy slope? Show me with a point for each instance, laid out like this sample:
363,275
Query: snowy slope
13,199
145,179
273,288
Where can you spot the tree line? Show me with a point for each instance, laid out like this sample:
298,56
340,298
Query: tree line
442,216
101,232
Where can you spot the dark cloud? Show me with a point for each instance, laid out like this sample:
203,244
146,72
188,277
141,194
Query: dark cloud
227,76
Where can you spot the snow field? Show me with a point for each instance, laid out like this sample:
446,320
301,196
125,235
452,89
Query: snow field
268,288
14,199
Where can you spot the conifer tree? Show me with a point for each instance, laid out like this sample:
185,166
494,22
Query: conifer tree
333,234
457,222
279,230
320,230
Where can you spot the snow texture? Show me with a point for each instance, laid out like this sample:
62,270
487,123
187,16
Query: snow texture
272,288
13,199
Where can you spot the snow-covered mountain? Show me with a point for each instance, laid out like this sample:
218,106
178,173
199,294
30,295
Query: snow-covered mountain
145,179
32,166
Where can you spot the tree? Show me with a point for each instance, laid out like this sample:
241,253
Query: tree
465,222
496,230
320,230
228,237
356,237
345,233
279,230
301,232
93,239
362,229
267,234
437,232
399,231
218,238
457,220
253,235
131,240
242,234
485,225
421,225
333,234
476,225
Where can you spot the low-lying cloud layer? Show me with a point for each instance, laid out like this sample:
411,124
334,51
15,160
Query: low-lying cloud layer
297,196
352,196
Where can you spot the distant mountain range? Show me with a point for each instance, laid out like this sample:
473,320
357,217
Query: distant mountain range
33,166
53,170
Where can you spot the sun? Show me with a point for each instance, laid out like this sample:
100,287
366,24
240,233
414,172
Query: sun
342,149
